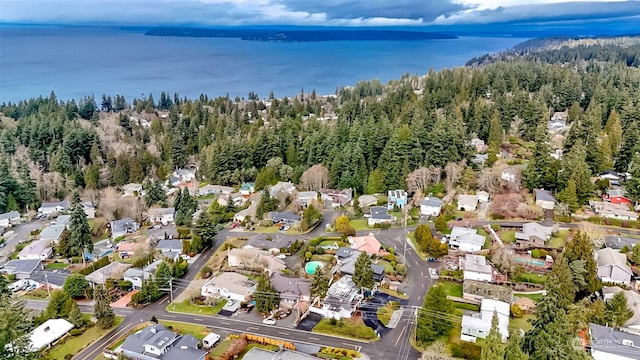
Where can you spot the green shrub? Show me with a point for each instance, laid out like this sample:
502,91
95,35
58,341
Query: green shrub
465,350
496,227
76,332
497,216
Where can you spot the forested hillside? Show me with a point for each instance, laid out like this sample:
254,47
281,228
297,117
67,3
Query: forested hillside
381,132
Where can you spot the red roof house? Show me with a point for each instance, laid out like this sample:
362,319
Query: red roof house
368,244
616,196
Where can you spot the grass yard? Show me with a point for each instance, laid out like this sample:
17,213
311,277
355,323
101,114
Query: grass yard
465,306
388,268
128,260
534,297
559,239
508,236
74,345
37,294
220,349
360,224
384,312
532,278
393,293
327,258
331,242
188,308
198,331
521,323
267,230
453,288
56,265
349,328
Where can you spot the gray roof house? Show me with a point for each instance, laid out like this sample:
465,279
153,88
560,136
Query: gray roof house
111,271
612,266
532,235
347,261
11,217
122,227
618,242
544,199
52,233
169,246
607,343
157,342
135,276
286,217
430,206
291,289
379,215
62,220
53,207
21,268
271,243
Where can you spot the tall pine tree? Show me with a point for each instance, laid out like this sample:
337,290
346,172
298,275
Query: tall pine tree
103,311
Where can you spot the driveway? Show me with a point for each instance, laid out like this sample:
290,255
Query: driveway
20,232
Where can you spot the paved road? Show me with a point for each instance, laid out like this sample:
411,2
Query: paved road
20,232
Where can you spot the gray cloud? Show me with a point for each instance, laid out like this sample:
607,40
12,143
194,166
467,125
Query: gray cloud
309,12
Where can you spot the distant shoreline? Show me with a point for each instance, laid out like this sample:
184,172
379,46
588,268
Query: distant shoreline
289,35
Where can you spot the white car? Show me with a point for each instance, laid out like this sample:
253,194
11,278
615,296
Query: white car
269,321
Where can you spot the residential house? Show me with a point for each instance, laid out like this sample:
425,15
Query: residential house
149,271
510,174
135,276
633,303
466,239
347,258
22,269
533,235
430,206
618,242
611,175
605,343
47,333
248,213
396,198
164,216
612,266
229,285
367,200
114,270
306,198
480,159
477,290
38,250
132,189
475,267
273,244
368,244
544,199
285,217
283,189
340,198
257,353
182,177
123,227
617,196
525,304
483,196
52,233
62,220
248,188
9,218
558,122
49,208
157,342
474,327
379,215
215,190
170,248
467,202
89,209
291,289
236,199
478,145
612,210
343,298
252,258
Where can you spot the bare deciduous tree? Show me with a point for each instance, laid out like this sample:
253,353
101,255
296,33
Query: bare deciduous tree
502,258
488,180
423,177
315,178
453,172
595,233
113,206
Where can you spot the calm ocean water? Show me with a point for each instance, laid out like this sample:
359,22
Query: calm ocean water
78,62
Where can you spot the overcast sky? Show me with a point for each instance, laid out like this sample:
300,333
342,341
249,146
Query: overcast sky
314,12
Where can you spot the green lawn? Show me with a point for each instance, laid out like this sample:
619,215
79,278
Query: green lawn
559,239
534,297
360,224
388,268
465,306
129,260
331,242
327,258
453,288
74,345
530,278
37,294
56,266
351,328
220,349
508,236
393,293
198,331
521,323
267,229
187,307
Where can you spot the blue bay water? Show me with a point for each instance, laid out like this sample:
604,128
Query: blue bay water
77,62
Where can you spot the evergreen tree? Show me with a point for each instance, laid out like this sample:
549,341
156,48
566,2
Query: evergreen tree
568,196
75,285
363,273
581,248
633,185
59,306
375,182
613,129
163,274
542,168
495,133
205,229
617,310
265,296
630,145
195,246
155,194
492,348
79,230
441,223
513,351
319,283
14,330
102,310
635,254
266,204
434,320
75,316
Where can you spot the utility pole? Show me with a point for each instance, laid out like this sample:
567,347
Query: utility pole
47,281
171,288
404,253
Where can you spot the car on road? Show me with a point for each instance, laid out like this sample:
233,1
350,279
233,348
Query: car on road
285,228
269,321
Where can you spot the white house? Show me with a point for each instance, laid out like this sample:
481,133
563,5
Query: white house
544,199
466,239
215,190
474,327
286,188
306,198
343,297
37,250
430,206
169,247
483,196
379,215
47,333
475,267
509,174
612,266
135,276
161,215
229,285
89,209
132,189
49,208
467,202
9,218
